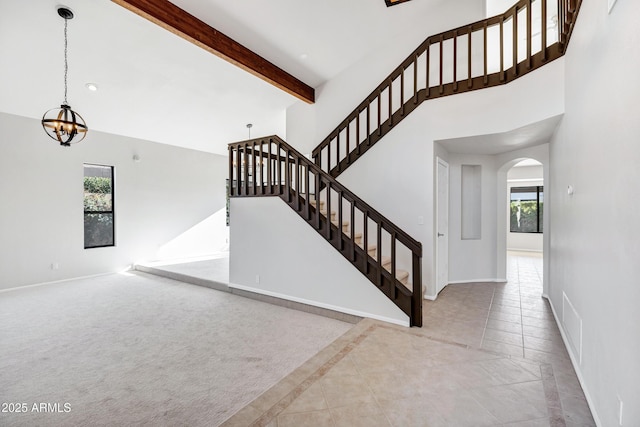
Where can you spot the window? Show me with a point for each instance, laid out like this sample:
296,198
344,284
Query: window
526,209
98,206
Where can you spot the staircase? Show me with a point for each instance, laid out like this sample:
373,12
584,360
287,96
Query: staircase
481,55
372,243
487,53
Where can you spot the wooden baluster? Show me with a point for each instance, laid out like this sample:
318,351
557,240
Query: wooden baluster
380,110
455,61
353,227
441,65
307,193
365,240
287,176
470,59
415,79
391,102
502,48
358,133
246,170
269,181
260,168
328,202
338,151
238,170
316,179
486,76
428,58
529,32
298,183
543,23
348,137
402,92
561,21
394,290
340,222
369,124
416,297
253,166
515,41
329,157
279,167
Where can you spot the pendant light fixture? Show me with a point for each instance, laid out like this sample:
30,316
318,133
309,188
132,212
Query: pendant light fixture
63,124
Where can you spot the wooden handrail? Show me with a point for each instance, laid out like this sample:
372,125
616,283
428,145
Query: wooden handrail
330,147
289,175
373,214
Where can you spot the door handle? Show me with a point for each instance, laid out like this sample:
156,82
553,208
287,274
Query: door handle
440,235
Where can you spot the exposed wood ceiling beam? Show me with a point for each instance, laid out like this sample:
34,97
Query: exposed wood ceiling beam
172,18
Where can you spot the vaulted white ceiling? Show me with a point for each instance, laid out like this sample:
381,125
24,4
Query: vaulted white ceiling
156,86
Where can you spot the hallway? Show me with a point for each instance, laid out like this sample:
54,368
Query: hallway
489,355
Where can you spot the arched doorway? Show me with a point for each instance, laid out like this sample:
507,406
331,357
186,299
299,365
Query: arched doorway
522,224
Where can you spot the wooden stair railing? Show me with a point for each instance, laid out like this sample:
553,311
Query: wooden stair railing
483,54
374,245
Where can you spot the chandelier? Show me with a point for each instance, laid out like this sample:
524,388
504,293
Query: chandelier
63,124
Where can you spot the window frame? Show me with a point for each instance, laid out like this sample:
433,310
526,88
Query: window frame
113,205
538,189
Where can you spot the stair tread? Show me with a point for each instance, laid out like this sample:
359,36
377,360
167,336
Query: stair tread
371,247
399,273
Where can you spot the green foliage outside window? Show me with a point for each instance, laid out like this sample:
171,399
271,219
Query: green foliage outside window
526,210
98,208
97,194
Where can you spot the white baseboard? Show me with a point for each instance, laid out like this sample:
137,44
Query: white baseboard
574,362
494,280
58,281
320,304
430,297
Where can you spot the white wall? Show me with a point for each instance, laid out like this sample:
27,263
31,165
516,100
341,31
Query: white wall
308,125
269,240
396,176
167,193
523,176
595,234
473,260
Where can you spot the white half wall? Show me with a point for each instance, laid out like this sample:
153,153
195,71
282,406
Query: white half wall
595,233
274,252
170,191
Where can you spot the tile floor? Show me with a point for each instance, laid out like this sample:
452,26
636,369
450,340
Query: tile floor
488,355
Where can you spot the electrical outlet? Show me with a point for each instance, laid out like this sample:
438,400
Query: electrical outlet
420,220
55,266
257,279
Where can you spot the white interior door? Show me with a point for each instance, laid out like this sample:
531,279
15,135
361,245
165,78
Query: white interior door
442,221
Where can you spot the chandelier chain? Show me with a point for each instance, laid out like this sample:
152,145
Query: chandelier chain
66,65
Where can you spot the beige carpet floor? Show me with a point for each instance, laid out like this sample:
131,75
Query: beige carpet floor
135,349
